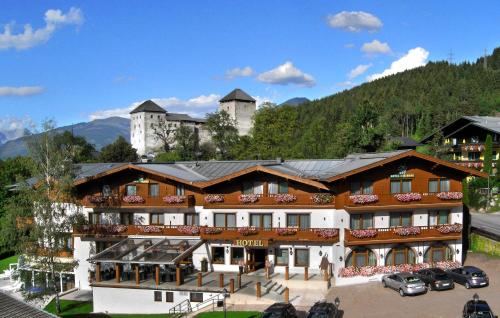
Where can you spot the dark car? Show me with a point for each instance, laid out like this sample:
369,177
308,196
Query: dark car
469,276
436,279
323,309
280,310
476,308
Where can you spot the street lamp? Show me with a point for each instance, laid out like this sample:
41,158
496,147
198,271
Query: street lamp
225,295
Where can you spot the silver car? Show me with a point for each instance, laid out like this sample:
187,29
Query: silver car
404,283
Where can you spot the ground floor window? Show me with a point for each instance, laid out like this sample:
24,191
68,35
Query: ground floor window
361,256
196,297
400,255
169,297
157,295
282,256
237,255
218,255
438,253
301,257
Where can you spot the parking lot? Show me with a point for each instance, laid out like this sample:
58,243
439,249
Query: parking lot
372,300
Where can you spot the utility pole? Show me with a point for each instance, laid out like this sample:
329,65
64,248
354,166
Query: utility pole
485,61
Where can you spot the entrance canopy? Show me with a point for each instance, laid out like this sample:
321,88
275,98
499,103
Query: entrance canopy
148,251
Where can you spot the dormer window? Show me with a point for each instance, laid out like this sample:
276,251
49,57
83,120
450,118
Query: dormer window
255,187
364,187
131,190
276,187
179,189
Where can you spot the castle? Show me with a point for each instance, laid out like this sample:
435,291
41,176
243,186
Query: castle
148,116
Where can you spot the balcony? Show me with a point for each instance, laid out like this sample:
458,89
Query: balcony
404,201
313,200
408,234
101,230
117,201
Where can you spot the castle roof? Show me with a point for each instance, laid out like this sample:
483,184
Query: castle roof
239,95
149,107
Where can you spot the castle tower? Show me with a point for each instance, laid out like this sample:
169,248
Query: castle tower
142,119
241,107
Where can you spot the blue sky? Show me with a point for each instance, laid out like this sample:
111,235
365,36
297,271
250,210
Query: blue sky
83,60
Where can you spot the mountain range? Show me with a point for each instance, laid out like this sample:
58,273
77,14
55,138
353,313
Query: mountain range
295,101
99,132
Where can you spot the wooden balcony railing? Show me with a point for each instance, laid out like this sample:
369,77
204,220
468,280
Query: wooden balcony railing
386,201
313,200
145,201
389,235
272,234
126,230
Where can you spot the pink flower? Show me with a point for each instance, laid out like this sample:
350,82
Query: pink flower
132,199
364,233
408,197
248,198
189,229
321,198
285,198
211,230
450,195
151,229
283,231
214,198
172,199
96,198
407,230
449,228
363,198
326,233
245,231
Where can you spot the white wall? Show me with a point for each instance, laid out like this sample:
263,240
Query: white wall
81,253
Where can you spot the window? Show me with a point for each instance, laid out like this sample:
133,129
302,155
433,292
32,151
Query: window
106,190
361,221
400,255
298,220
131,190
401,186
191,219
154,190
444,185
438,253
237,255
127,218
282,256
196,297
438,217
439,185
361,256
169,297
94,218
157,219
301,257
218,254
395,186
179,189
157,295
433,186
365,187
275,187
264,221
256,187
473,156
400,219
474,139
225,219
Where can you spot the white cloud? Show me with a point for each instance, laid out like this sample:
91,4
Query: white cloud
13,127
358,70
375,47
30,37
414,58
259,100
239,72
346,84
196,106
20,91
286,74
355,21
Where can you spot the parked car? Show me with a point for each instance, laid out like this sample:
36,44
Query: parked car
323,309
476,308
469,276
280,310
404,283
435,279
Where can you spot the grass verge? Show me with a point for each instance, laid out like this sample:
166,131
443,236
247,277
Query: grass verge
4,263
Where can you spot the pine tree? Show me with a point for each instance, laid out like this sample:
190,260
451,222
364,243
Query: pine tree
488,155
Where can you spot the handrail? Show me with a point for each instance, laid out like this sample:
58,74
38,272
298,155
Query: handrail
211,299
173,310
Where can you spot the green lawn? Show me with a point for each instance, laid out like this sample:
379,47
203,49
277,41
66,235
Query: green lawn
230,314
482,244
4,263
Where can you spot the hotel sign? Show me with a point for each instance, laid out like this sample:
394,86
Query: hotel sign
250,243
402,173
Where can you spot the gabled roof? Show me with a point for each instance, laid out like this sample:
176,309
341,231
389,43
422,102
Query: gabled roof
184,117
237,94
489,123
148,106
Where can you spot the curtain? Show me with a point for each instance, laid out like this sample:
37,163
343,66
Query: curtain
367,187
355,221
258,187
255,220
219,220
395,186
131,190
154,190
272,187
179,189
283,187
367,221
267,221
406,186
444,185
231,220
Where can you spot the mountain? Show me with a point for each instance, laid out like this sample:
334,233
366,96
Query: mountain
99,132
3,138
295,101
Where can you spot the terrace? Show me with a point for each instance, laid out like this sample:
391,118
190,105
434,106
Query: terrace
137,201
401,201
314,200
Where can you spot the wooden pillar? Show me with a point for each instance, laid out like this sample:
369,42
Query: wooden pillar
286,295
200,279
157,275
117,272
231,285
98,272
327,275
267,272
178,276
306,273
239,281
258,290
287,273
137,276
221,280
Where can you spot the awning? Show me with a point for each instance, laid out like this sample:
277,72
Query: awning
157,251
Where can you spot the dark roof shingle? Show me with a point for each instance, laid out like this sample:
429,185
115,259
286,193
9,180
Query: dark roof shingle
239,95
148,106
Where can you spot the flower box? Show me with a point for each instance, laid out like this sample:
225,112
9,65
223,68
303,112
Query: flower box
189,229
449,228
327,233
96,199
322,198
133,199
151,229
174,199
211,230
285,231
407,230
248,198
214,198
363,198
450,195
367,271
245,231
408,197
364,233
285,198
